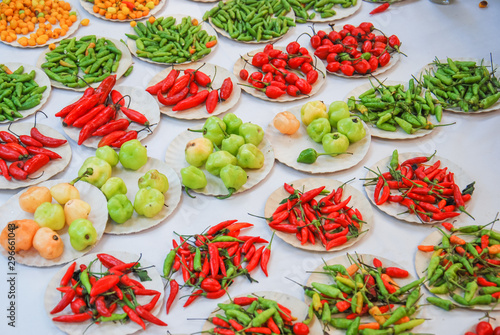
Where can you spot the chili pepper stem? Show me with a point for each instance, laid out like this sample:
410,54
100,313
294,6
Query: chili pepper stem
88,172
186,189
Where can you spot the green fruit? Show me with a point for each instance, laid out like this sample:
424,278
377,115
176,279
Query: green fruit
154,179
213,129
120,209
252,133
114,186
250,157
313,110
198,150
335,143
233,123
232,143
50,215
101,171
352,127
193,178
318,128
218,160
133,155
82,234
108,154
337,111
233,177
148,202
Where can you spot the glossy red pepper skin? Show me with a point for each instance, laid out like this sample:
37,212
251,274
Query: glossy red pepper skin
100,306
37,151
120,124
226,89
110,138
116,97
105,88
66,110
130,135
4,169
74,317
135,116
104,284
17,147
146,315
16,170
35,163
133,316
212,100
380,9
28,140
181,83
90,115
192,101
79,110
8,137
109,261
193,297
65,301
244,74
172,100
102,118
47,141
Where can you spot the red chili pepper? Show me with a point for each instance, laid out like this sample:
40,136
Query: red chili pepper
244,74
395,272
100,119
101,308
82,108
252,264
78,306
74,317
135,116
380,8
35,163
19,148
483,282
49,142
260,330
66,110
485,241
174,289
116,96
28,140
130,135
105,88
133,316
266,254
181,83
336,242
8,137
109,261
226,89
192,101
223,331
193,297
104,284
5,170
16,171
343,305
444,215
90,115
214,259
193,88
146,315
377,263
165,84
111,138
448,226
174,99
212,100
65,301
120,124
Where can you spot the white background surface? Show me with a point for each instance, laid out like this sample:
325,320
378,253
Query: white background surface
426,30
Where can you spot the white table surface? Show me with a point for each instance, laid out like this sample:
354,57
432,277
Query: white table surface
426,30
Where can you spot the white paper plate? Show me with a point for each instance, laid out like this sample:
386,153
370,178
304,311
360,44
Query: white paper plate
98,216
343,260
70,32
200,112
50,169
224,33
141,101
41,79
138,222
395,209
178,17
399,134
342,13
358,201
123,66
486,63
175,158
288,148
53,296
297,307
422,260
89,7
240,64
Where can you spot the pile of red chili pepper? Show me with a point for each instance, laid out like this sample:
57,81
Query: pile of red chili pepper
98,117
330,219
470,266
427,190
484,328
210,261
361,290
354,49
280,72
96,296
183,91
28,153
262,316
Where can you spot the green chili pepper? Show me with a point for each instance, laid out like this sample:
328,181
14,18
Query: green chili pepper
84,279
441,303
481,300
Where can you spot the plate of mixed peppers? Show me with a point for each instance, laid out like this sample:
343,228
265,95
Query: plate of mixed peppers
280,74
431,188
94,122
31,153
194,91
327,216
106,293
262,313
363,294
460,265
210,261
395,110
463,85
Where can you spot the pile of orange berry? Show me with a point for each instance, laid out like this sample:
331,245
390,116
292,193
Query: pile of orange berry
36,20
123,10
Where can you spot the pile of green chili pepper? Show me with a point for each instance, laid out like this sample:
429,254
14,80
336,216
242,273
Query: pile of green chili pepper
463,84
324,8
457,265
251,20
262,316
97,58
362,290
94,296
390,107
210,261
164,41
18,91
